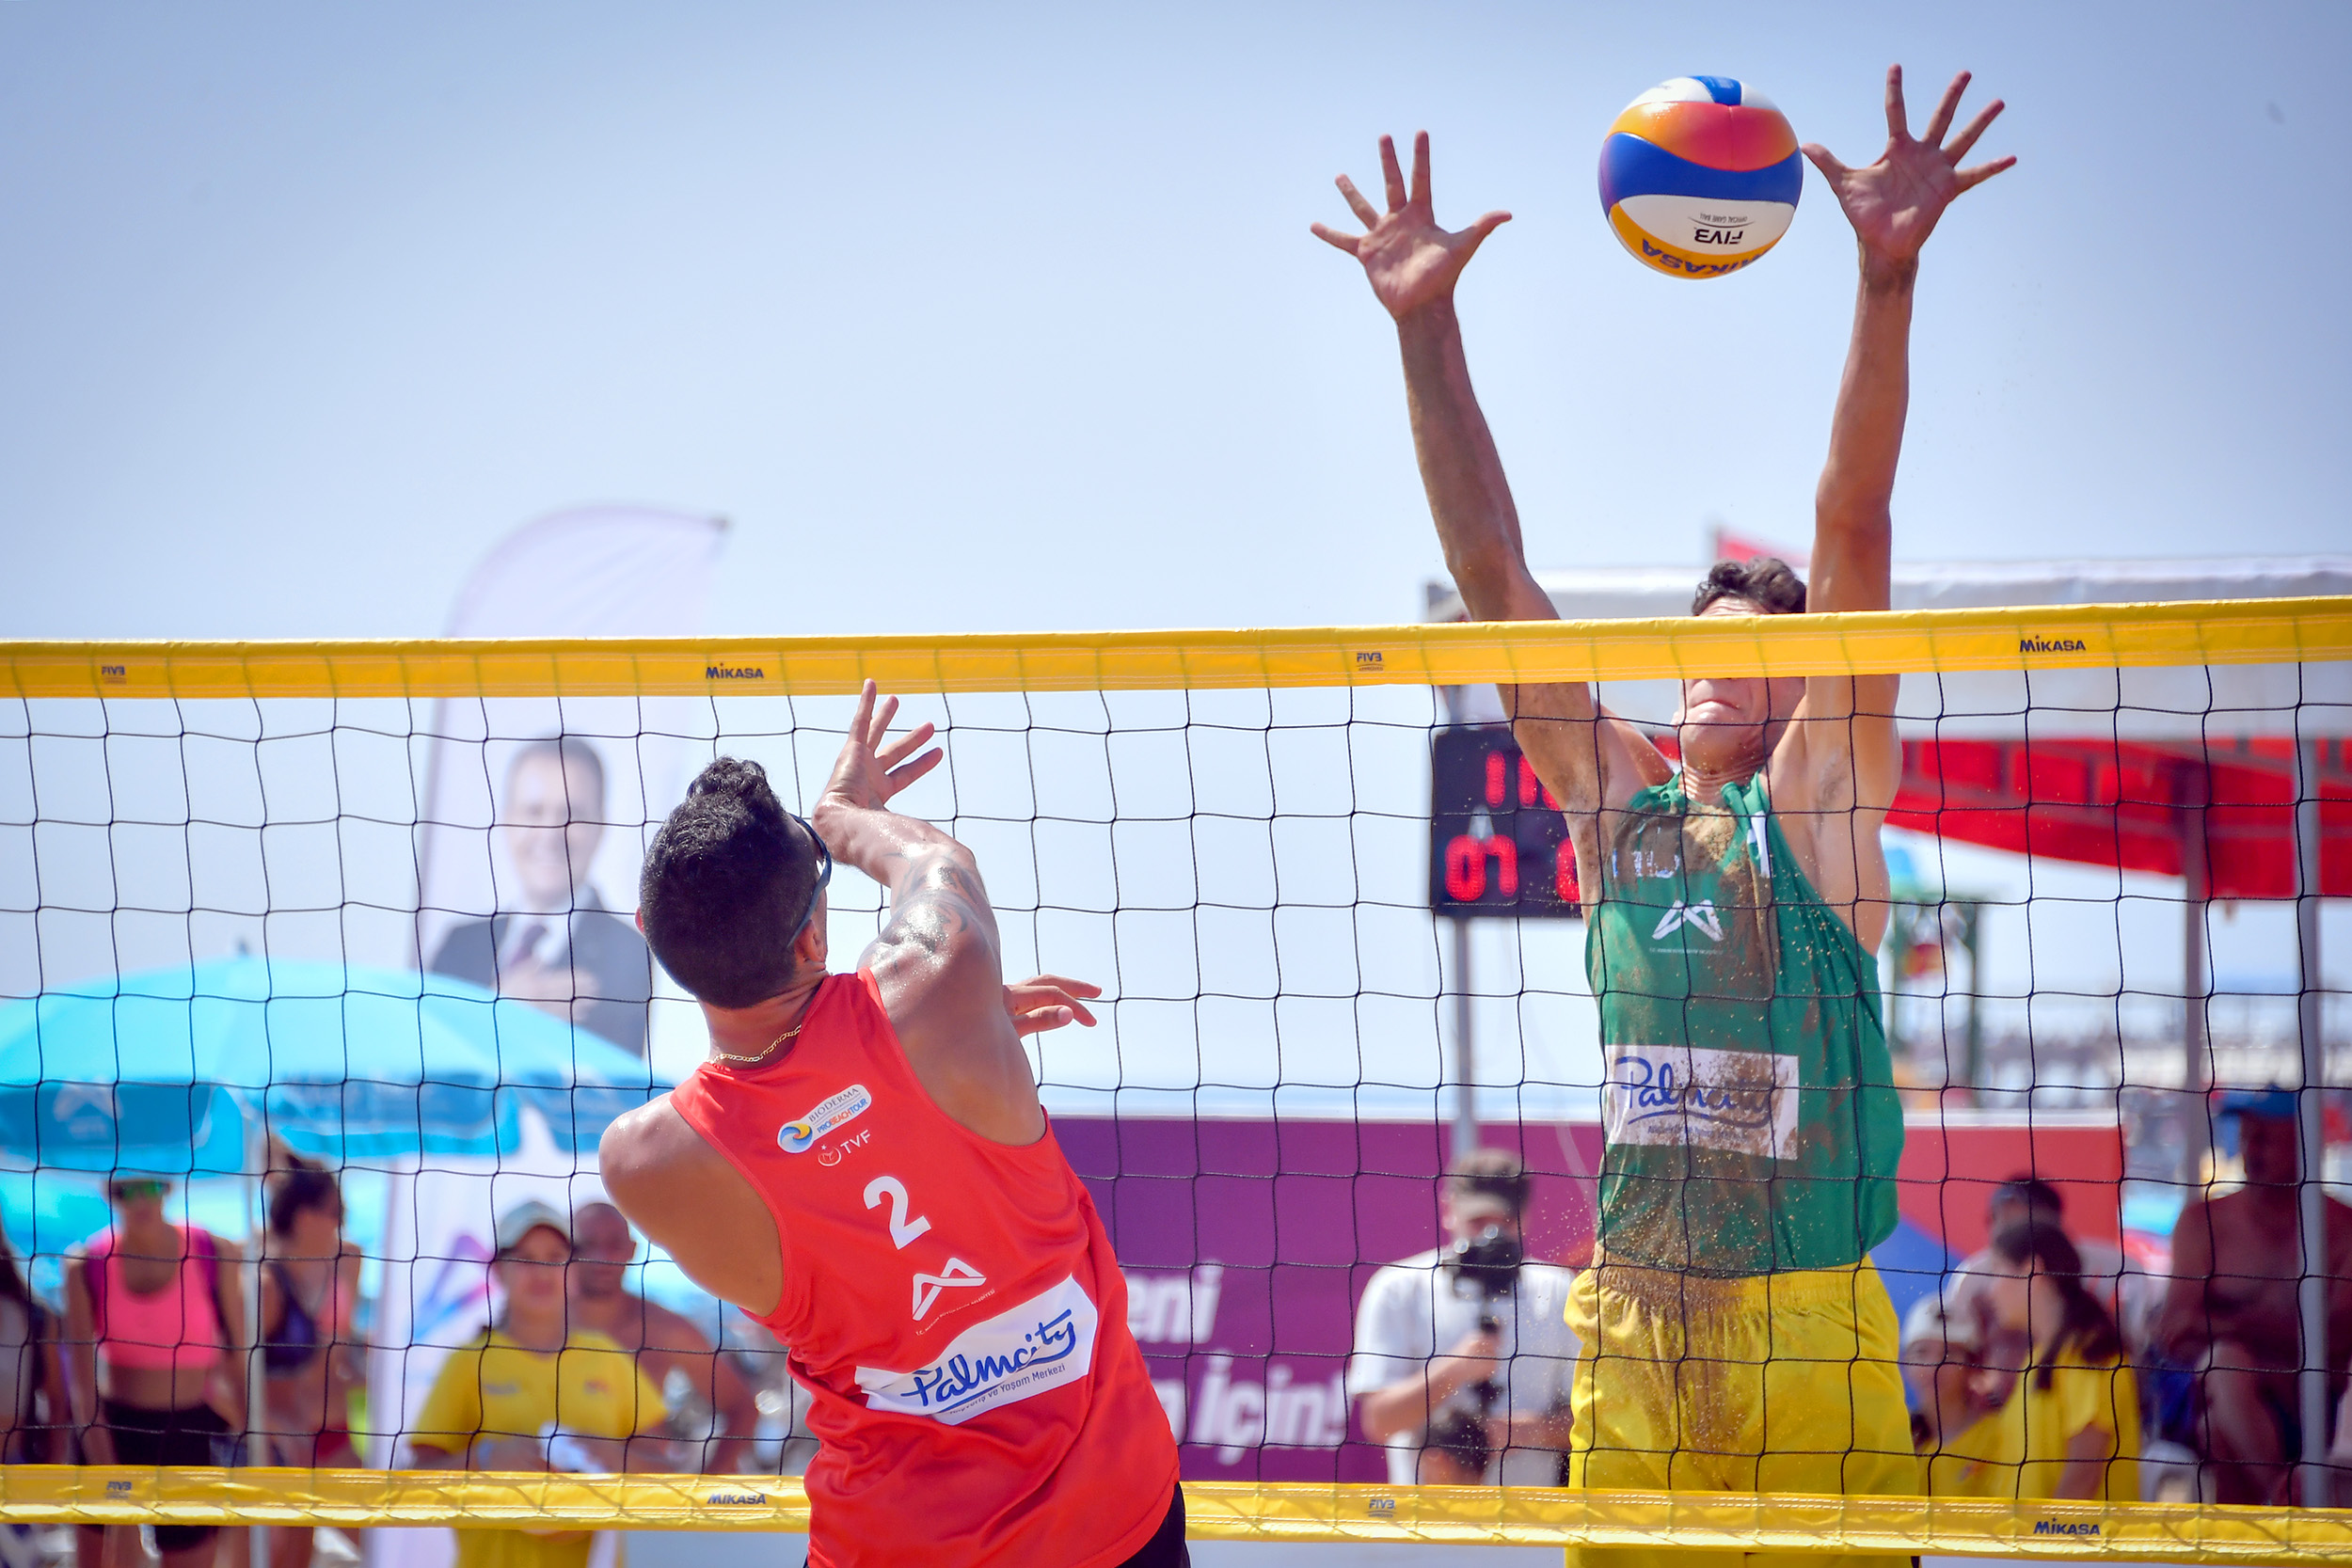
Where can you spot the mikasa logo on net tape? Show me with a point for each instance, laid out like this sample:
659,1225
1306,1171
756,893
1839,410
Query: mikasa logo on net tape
798,1137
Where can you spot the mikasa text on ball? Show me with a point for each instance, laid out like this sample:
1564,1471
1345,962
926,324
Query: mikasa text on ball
1700,176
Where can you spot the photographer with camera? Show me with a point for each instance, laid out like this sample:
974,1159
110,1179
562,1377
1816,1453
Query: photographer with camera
1463,1355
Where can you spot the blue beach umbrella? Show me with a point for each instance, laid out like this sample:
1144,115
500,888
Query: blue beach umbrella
180,1071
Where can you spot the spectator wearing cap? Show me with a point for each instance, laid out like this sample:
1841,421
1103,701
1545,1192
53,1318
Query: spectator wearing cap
2231,1315
532,1393
1945,1333
711,1405
1464,1383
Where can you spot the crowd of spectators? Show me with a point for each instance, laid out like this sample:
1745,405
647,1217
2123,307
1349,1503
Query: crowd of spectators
147,1365
2047,1363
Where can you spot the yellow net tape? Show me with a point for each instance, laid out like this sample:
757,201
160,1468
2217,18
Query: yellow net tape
2232,631
1217,1511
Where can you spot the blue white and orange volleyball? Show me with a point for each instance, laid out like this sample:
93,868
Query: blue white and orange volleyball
1700,176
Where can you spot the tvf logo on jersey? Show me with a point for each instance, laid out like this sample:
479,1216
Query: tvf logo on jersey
798,1137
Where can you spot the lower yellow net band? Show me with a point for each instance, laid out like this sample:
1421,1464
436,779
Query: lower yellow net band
1217,1511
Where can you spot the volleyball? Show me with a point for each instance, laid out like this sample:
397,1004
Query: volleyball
1700,176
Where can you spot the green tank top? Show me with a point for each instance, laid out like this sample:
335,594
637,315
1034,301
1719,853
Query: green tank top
1748,1110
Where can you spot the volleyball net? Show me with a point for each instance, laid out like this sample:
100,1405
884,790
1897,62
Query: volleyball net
327,948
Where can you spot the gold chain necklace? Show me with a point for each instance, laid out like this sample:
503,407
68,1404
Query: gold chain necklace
738,1059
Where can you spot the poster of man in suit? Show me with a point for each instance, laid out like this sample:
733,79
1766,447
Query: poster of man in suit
552,942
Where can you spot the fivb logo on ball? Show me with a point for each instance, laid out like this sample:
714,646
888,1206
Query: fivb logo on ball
798,1137
1700,176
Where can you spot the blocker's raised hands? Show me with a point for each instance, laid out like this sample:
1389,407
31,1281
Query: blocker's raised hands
1894,204
1410,262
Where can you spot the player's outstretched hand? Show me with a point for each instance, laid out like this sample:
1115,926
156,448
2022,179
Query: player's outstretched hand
871,768
1894,204
1410,261
1046,1002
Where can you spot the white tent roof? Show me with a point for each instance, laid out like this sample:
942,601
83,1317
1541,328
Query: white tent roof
2160,704
1626,593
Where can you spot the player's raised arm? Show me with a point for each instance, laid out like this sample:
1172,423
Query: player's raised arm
1894,205
1413,265
1843,756
938,962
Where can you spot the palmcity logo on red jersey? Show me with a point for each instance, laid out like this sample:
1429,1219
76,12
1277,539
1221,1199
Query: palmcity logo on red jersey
798,1137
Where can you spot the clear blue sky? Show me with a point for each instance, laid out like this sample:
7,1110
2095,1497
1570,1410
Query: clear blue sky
996,319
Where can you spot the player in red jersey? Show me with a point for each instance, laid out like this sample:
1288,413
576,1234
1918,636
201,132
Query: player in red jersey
862,1165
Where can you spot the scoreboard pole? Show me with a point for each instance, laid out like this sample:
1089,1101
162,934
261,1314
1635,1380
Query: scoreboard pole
1498,849
1465,1044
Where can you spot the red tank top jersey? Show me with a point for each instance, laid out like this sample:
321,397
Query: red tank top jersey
951,1304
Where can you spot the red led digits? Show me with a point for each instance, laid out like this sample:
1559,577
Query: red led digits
1507,856
1491,818
1466,859
1531,787
1465,868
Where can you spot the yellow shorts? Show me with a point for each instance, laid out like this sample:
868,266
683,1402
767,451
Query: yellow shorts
1786,1383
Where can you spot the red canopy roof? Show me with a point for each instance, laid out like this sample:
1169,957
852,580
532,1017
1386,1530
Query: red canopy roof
2126,804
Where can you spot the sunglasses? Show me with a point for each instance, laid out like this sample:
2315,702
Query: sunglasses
123,1192
824,876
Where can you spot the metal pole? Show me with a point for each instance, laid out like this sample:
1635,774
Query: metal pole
1465,1049
2195,1065
2310,1134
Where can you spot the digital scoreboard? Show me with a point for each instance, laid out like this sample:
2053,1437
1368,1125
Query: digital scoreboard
1498,842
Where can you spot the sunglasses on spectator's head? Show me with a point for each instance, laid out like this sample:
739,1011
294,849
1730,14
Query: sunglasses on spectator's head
123,1192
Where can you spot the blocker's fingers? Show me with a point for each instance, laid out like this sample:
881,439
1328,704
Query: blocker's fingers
1897,120
1946,108
1971,178
863,719
881,725
898,778
1365,213
1487,224
1391,174
905,746
1958,147
1824,160
1421,169
1333,237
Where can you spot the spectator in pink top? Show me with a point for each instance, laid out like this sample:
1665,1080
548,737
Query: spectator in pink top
155,1339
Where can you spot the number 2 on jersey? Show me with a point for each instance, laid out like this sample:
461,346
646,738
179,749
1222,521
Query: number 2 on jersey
902,1229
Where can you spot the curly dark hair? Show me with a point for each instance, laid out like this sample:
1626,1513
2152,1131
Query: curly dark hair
1768,582
727,884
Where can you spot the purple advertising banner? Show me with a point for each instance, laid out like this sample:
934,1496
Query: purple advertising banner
1246,1244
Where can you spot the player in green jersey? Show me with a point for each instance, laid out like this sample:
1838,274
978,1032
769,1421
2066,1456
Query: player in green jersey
1736,1337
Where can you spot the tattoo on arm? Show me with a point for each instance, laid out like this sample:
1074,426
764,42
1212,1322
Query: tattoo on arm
934,898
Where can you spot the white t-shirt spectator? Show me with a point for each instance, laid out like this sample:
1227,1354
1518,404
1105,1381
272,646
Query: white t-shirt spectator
1412,1313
